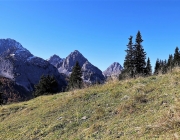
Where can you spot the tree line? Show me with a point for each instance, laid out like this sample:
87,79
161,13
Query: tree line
135,63
164,66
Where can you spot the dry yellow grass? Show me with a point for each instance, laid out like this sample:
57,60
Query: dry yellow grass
142,108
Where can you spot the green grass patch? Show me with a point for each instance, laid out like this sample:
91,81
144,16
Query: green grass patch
142,108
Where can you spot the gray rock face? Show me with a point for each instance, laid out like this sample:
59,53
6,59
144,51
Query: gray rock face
90,73
18,64
55,60
113,70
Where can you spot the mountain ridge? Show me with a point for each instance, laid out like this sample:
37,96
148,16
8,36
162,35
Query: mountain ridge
19,65
90,73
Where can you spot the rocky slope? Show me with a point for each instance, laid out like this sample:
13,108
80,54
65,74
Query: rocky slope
90,73
19,65
113,70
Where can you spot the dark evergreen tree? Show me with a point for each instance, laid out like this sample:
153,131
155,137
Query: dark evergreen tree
75,80
139,55
148,68
170,62
164,67
46,85
157,67
1,98
129,59
176,57
1,95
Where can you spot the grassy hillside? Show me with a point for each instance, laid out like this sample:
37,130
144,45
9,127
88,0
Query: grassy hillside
143,108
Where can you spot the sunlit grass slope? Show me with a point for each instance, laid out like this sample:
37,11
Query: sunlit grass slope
142,108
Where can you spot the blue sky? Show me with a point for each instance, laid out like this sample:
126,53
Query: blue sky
99,29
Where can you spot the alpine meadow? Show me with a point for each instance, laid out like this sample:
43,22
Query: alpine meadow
89,70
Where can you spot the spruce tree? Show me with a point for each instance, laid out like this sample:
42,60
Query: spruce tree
129,59
164,67
176,57
139,55
148,68
1,95
75,80
46,85
170,62
157,67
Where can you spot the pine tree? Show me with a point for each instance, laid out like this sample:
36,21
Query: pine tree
140,55
170,62
75,80
1,95
157,67
46,85
164,67
148,68
129,59
176,57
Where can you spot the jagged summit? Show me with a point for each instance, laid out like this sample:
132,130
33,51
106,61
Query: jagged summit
55,60
71,59
9,44
12,48
90,73
113,70
76,52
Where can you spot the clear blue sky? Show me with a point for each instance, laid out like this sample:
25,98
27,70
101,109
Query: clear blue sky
99,29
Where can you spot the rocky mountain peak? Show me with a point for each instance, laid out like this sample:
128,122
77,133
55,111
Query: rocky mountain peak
12,48
54,57
10,43
113,70
90,73
55,60
71,59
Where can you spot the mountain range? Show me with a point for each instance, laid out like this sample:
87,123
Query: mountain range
90,73
24,70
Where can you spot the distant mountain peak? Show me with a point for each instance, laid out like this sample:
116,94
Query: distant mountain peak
54,57
76,53
12,48
113,70
55,60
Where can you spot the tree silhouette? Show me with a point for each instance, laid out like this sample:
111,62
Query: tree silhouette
140,55
129,59
148,68
46,85
75,80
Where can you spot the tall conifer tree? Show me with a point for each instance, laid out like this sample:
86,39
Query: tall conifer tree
1,94
176,57
170,62
148,68
140,55
157,67
75,80
129,59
